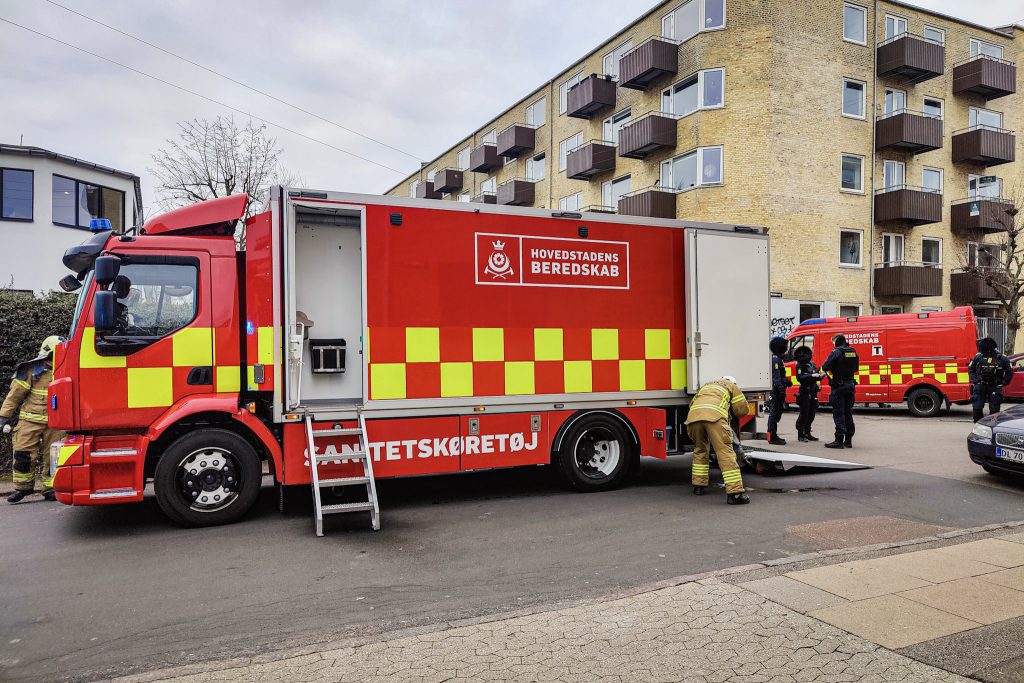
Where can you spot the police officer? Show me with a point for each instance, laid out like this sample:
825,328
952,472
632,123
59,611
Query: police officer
778,346
707,423
32,437
807,397
842,365
989,372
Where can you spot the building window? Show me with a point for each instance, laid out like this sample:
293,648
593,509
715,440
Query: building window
76,203
850,248
855,24
931,179
536,113
984,255
565,145
462,160
933,107
984,186
853,99
892,249
563,92
890,310
536,167
490,137
852,173
613,125
572,202
985,117
935,35
489,185
980,47
849,310
610,62
692,17
703,166
703,90
810,310
612,191
412,188
895,101
894,26
893,175
931,251
16,193
464,196
430,175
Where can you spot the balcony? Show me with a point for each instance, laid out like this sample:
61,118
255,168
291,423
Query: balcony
516,192
484,158
983,145
910,131
908,278
981,214
652,202
515,140
913,205
647,62
425,190
975,286
649,133
485,198
448,180
599,208
590,159
910,57
986,76
590,96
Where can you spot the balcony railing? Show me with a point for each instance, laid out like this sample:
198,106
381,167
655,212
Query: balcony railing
647,62
981,214
448,180
589,96
651,202
485,198
913,58
599,208
976,285
592,158
484,158
908,278
516,192
425,190
986,145
516,139
984,75
912,131
650,132
913,205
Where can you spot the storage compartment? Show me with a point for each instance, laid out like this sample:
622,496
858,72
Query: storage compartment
327,355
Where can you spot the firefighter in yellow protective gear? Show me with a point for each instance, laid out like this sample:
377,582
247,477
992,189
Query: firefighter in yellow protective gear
708,423
32,438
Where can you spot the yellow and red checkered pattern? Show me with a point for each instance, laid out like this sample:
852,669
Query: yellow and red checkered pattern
448,362
942,372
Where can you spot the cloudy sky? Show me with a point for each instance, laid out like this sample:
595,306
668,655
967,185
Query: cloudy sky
415,75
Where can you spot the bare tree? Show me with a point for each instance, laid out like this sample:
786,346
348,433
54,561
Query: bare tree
999,264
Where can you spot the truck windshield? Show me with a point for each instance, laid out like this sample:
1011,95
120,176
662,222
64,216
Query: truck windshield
82,294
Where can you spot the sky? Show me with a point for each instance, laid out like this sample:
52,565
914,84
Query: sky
417,76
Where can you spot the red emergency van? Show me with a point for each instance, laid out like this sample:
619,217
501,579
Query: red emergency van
920,358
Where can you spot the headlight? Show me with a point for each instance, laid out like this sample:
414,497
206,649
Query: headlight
983,432
55,456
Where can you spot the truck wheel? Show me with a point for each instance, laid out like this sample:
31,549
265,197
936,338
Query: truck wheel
924,402
208,477
597,454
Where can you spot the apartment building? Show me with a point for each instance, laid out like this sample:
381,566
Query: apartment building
46,202
873,138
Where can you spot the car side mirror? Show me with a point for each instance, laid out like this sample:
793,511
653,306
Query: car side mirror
104,318
107,268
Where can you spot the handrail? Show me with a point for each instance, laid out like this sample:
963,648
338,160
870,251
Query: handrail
980,55
521,179
599,208
904,186
907,34
651,188
595,76
912,112
995,200
606,143
656,36
521,125
652,112
904,262
983,126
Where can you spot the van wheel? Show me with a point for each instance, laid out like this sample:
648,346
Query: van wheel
597,454
924,402
208,477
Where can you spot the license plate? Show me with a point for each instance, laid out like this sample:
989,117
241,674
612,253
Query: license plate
1010,454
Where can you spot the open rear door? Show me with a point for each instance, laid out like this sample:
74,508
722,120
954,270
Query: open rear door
727,308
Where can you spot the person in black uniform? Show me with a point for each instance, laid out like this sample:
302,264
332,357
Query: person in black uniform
989,372
778,348
842,365
807,398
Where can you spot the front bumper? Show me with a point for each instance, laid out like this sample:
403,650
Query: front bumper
985,454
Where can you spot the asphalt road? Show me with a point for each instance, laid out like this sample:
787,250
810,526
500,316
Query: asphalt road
95,592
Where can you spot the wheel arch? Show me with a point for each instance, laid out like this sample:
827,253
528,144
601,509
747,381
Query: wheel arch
556,443
924,383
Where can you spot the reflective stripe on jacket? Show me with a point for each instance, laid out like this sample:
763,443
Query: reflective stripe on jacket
27,396
716,401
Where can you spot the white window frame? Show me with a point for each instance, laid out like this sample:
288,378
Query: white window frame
942,177
615,123
976,43
533,109
412,188
611,68
571,142
892,163
896,19
607,187
489,185
863,99
464,196
885,100
819,304
701,19
563,91
490,137
903,248
976,179
893,310
858,157
940,31
667,93
942,106
563,202
462,165
860,251
859,307
864,23
430,174
531,162
699,151
977,110
929,238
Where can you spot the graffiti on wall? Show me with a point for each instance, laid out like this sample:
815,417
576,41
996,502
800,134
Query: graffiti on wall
782,326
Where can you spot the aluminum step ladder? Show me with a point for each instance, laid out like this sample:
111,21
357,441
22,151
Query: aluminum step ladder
362,453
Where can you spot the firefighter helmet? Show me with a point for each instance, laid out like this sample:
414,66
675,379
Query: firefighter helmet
46,348
730,378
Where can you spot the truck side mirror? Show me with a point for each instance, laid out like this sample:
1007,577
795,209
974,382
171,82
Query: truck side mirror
104,318
107,268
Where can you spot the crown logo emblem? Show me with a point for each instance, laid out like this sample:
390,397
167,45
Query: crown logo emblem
499,266
498,245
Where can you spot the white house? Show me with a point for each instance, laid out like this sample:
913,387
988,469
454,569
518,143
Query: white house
46,202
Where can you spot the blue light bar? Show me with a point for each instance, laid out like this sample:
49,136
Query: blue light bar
813,321
99,224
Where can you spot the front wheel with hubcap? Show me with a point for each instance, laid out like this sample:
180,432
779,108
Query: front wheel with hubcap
208,477
596,454
924,402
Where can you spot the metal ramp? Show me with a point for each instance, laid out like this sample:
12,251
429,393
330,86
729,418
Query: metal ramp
361,453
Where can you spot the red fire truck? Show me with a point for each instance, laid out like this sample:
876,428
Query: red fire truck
357,337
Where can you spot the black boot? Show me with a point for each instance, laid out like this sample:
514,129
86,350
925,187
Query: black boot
699,490
810,437
802,437
17,496
50,496
838,443
849,442
776,440
737,499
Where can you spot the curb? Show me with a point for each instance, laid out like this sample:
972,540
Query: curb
225,664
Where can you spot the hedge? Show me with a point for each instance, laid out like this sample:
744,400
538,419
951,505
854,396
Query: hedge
26,321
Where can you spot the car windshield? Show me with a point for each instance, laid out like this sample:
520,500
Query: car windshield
82,293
